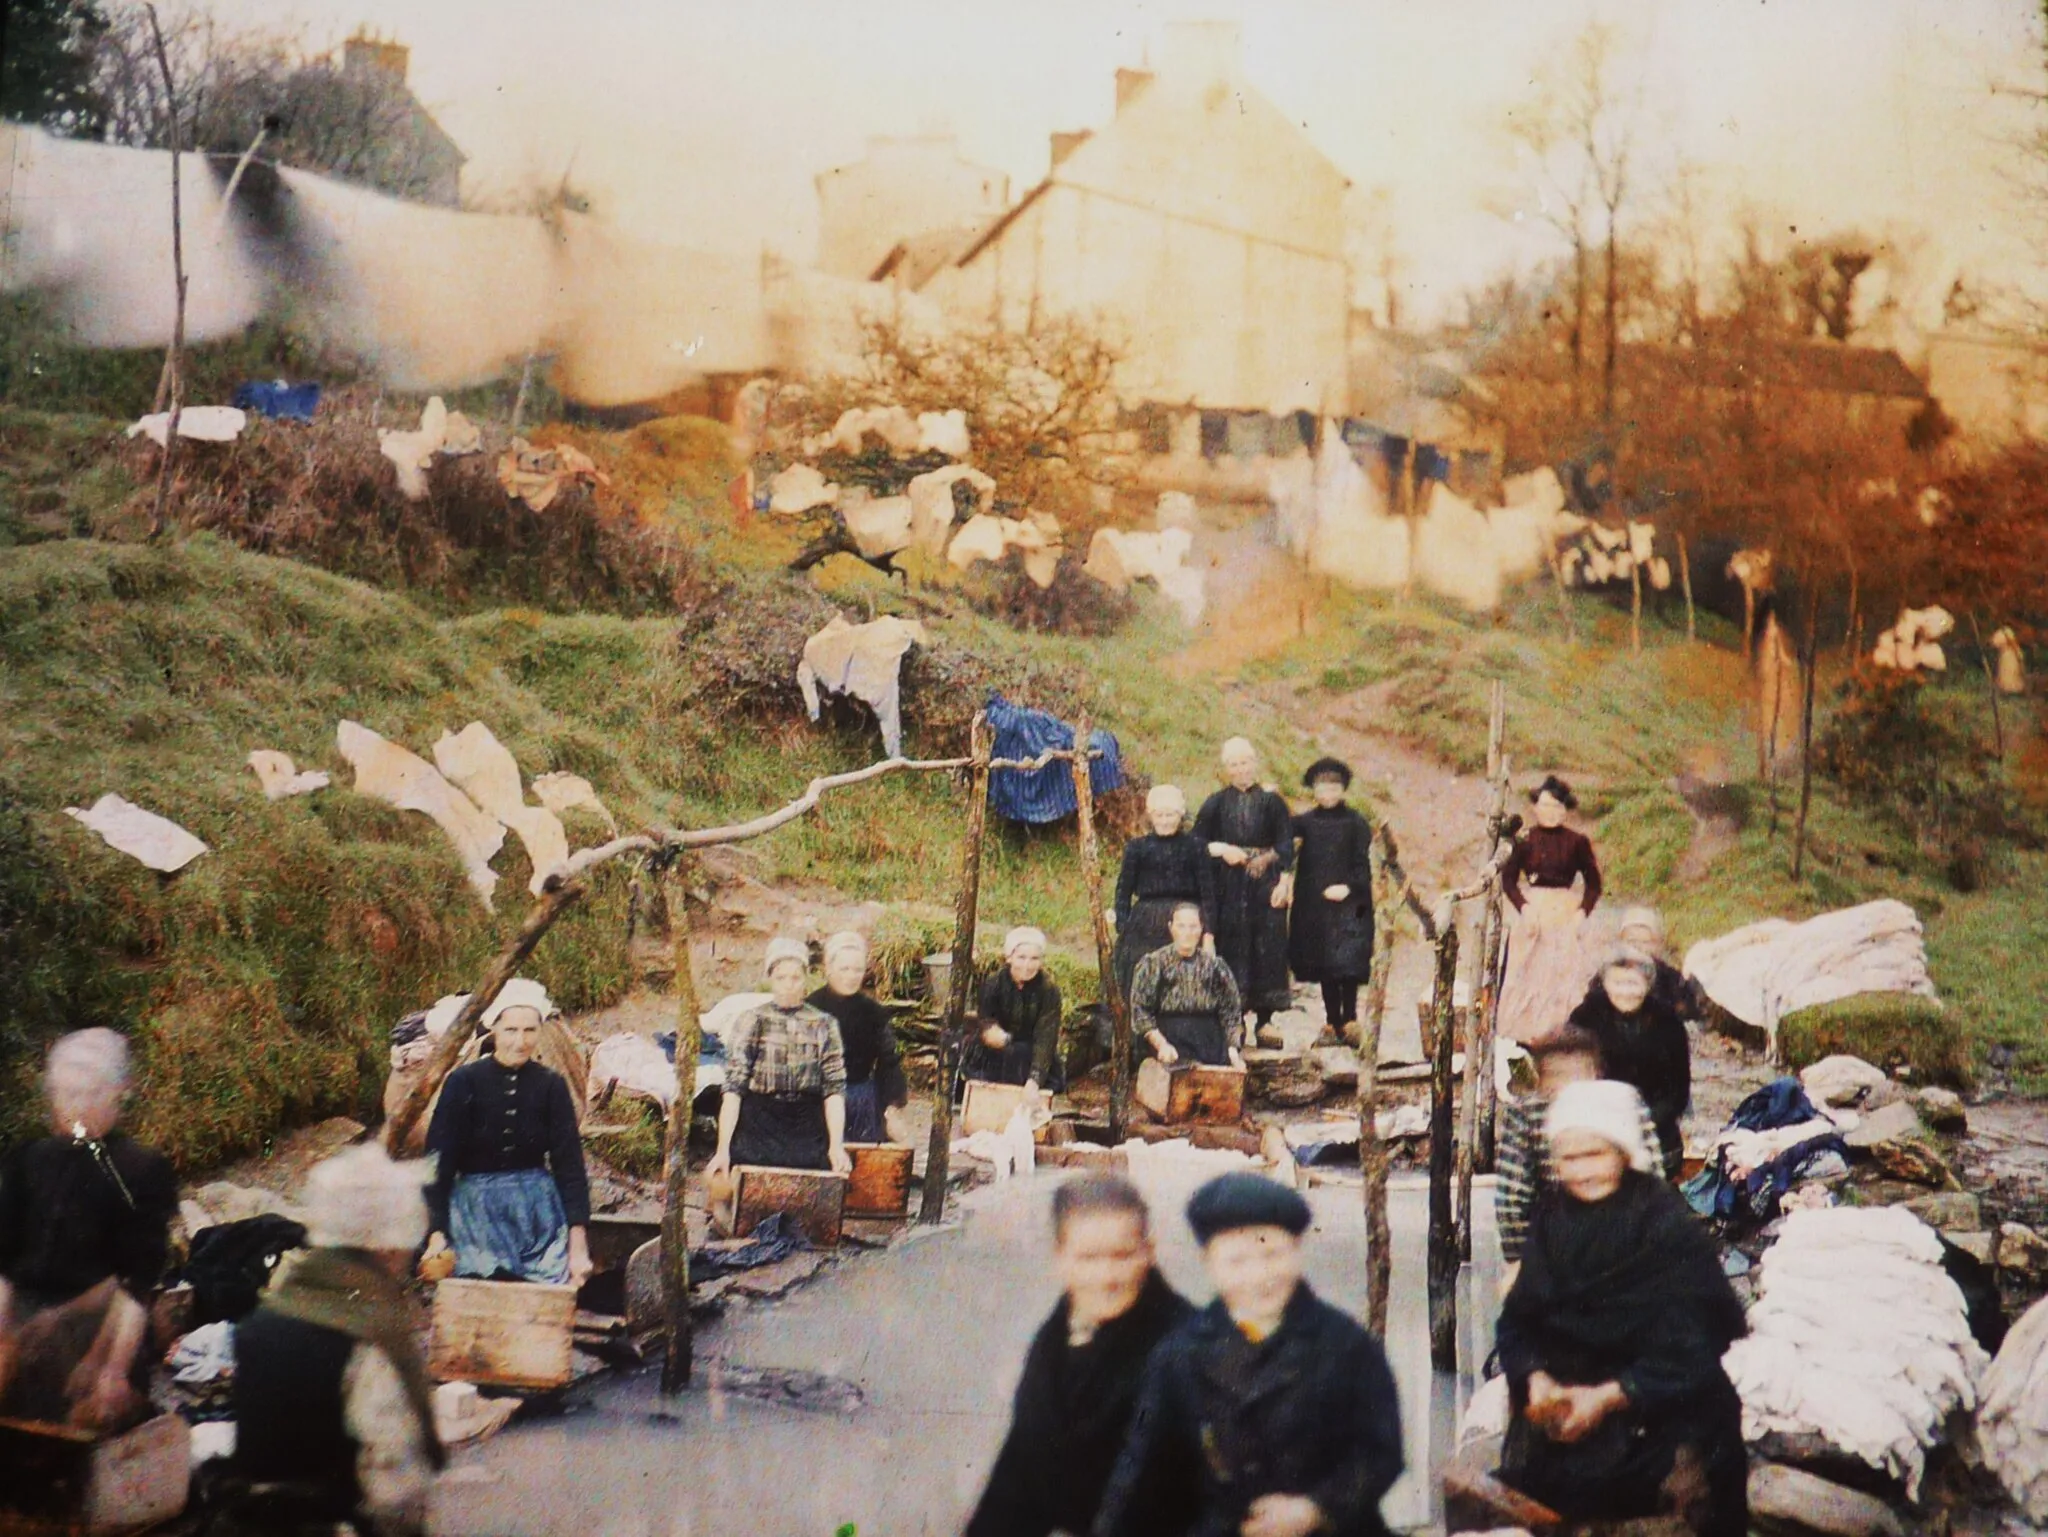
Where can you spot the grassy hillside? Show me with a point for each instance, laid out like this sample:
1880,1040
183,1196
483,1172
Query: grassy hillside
260,980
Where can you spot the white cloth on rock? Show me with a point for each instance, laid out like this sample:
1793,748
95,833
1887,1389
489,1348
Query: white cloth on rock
1859,1337
2012,1421
932,512
1764,971
865,661
389,773
640,1068
157,841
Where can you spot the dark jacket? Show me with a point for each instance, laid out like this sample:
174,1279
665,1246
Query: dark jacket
494,1120
1031,1016
1649,1050
1221,1421
1176,869
69,1217
1331,941
870,1043
1072,1410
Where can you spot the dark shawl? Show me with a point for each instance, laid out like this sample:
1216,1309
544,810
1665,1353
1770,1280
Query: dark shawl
1648,1050
1251,933
70,1217
1627,1290
1072,1409
1031,1015
493,1119
870,1042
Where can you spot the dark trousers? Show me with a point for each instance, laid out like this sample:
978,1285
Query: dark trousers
1340,1004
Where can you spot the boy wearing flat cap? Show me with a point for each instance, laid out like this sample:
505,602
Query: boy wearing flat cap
1269,1413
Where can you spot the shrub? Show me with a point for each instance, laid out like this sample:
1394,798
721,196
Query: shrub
323,493
1887,1030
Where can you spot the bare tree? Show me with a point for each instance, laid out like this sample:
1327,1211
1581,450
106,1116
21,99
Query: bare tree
1582,132
359,124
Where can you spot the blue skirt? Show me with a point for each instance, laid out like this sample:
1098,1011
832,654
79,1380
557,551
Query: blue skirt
863,1113
509,1226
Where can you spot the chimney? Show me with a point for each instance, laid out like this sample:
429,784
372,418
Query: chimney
1129,83
364,52
1064,144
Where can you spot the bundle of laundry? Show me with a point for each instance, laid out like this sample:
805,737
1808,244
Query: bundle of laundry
2012,1424
1045,794
1763,971
1858,1337
1775,1140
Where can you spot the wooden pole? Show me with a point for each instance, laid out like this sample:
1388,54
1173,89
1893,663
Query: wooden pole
1564,603
1105,956
1990,677
1774,648
1635,610
675,1226
953,1028
1806,731
175,364
1443,1236
554,901
1372,1153
1685,581
1478,1105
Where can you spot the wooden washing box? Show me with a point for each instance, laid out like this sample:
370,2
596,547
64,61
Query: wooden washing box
1189,1092
880,1183
507,1334
814,1199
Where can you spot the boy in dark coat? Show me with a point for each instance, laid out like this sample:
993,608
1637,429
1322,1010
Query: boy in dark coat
1081,1378
1269,1413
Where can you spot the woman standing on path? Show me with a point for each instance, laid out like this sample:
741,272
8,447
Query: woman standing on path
1329,938
1547,966
1249,833
1161,870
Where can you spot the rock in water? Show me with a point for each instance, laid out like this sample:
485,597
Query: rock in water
1943,1109
1785,1499
2022,1249
1947,1211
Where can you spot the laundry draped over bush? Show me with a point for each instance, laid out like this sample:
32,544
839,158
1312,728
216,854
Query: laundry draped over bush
1047,794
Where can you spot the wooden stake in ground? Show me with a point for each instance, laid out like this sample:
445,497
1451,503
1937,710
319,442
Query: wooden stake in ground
1564,602
953,1028
1806,731
1685,581
675,1158
1990,677
1635,607
176,361
1478,1105
1443,1235
555,900
1105,957
1372,1153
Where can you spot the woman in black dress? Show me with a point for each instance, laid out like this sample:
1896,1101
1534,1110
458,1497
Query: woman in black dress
1249,834
1329,938
875,1089
1643,1043
1613,1333
1017,1019
1161,870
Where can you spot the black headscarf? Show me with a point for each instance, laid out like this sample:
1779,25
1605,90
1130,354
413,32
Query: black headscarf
1601,1280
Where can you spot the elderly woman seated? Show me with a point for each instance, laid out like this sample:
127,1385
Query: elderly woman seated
1017,1019
1612,1337
510,1195
85,1218
785,1079
1184,999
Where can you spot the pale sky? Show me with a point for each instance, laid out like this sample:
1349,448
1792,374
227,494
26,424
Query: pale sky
704,123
